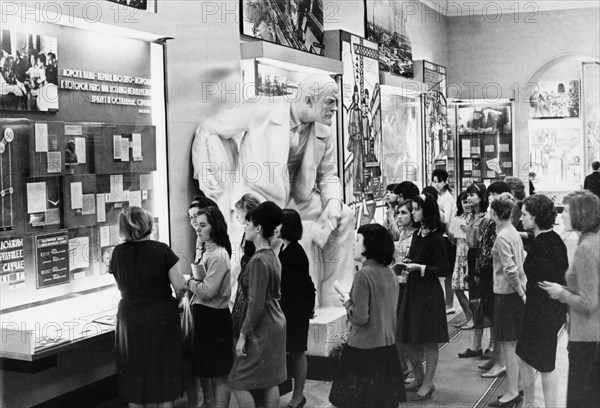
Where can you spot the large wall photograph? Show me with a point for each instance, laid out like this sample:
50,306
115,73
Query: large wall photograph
294,23
28,72
386,25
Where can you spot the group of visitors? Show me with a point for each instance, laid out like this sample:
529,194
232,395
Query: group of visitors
396,307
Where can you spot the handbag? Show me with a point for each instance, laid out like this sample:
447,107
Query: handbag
187,323
480,320
238,314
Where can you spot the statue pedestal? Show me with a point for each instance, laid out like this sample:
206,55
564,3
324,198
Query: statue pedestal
325,332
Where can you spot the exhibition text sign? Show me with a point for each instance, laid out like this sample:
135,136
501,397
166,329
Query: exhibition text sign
123,89
12,260
52,258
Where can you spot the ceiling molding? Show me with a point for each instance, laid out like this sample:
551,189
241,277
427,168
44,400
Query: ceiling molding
454,8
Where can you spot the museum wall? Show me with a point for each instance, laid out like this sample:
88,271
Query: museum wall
496,59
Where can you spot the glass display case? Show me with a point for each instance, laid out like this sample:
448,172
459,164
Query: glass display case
485,141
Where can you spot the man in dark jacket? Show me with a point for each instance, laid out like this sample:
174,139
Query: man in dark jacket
592,181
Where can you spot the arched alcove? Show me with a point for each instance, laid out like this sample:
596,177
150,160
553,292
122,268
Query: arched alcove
556,149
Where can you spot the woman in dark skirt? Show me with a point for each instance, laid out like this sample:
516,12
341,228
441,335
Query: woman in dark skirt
509,292
148,335
423,306
212,350
297,299
546,261
368,374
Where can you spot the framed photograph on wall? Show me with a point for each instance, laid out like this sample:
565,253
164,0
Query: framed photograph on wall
294,23
386,26
28,72
555,99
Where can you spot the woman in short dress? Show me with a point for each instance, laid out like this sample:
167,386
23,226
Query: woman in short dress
546,261
259,323
368,374
460,275
423,306
297,299
148,335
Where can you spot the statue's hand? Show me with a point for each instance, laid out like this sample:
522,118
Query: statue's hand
333,213
210,186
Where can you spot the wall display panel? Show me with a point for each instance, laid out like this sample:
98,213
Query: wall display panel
591,111
386,26
79,203
361,116
439,142
52,259
555,99
28,72
104,89
402,147
276,81
485,142
556,150
293,23
48,149
43,198
14,165
125,149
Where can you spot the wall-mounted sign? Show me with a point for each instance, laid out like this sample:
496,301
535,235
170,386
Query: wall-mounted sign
52,258
12,261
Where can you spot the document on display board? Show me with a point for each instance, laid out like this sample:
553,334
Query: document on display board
116,188
100,204
41,137
54,162
36,197
76,195
117,147
89,204
73,130
80,150
124,149
137,146
104,236
145,182
135,198
466,147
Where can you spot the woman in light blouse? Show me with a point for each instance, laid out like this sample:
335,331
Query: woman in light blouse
510,282
212,351
582,214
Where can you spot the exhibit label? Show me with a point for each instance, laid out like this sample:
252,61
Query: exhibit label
12,261
52,259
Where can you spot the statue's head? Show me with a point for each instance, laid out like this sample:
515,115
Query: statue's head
318,99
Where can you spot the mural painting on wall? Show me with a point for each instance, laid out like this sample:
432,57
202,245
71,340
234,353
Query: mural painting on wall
401,143
386,25
294,23
555,99
439,143
28,72
362,136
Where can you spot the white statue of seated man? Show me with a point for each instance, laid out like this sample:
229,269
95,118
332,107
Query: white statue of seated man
282,150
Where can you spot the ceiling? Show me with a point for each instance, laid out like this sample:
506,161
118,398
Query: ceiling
480,7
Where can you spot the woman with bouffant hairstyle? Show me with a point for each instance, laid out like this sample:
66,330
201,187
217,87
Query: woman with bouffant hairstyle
148,335
582,214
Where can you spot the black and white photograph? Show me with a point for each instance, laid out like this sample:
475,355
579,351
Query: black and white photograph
138,4
555,99
386,25
294,23
276,81
29,72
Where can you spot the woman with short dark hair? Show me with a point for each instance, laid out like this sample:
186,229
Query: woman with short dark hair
582,295
297,299
258,322
423,313
546,261
368,374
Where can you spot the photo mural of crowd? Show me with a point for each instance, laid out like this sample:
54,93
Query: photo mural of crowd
28,72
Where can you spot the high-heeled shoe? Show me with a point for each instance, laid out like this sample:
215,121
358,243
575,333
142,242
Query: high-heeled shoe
301,405
427,395
499,373
506,404
414,387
